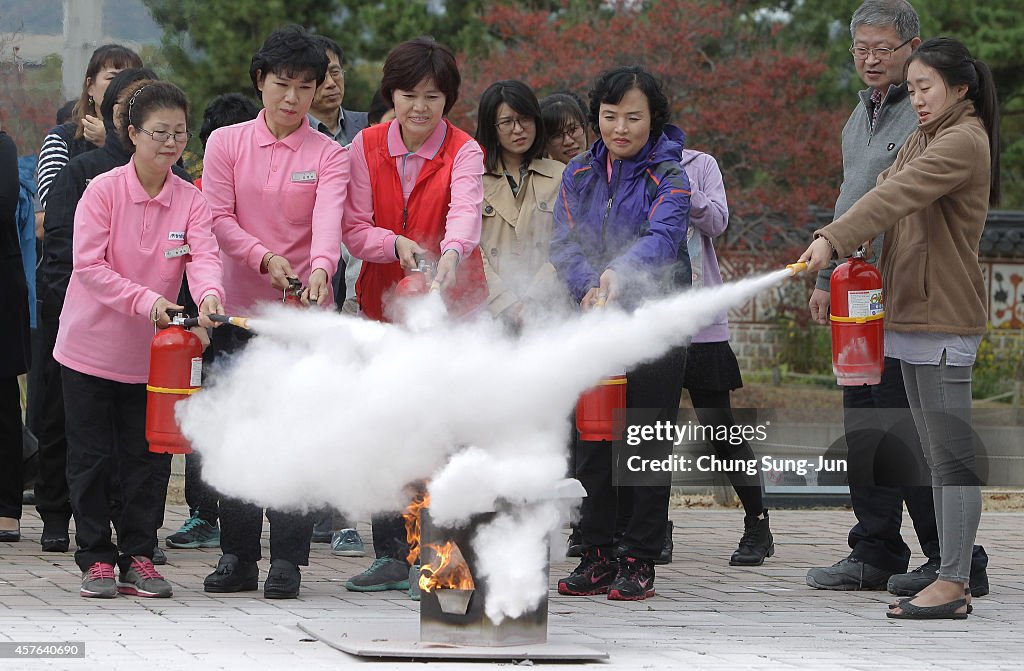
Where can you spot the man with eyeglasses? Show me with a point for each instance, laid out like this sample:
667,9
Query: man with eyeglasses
885,34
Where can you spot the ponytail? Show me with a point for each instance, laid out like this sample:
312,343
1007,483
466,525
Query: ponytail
987,103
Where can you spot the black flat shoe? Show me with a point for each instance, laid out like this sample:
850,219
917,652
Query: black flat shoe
12,536
283,580
943,611
231,576
899,602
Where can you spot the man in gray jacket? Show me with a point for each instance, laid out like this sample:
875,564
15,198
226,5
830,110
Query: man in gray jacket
885,33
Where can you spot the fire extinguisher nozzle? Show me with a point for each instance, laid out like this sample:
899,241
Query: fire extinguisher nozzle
796,268
191,322
240,322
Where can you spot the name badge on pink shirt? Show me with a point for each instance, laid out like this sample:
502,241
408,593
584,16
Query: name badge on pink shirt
175,252
305,176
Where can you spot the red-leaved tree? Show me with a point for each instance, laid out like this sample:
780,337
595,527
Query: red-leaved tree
733,90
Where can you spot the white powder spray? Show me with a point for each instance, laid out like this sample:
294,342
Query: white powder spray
325,408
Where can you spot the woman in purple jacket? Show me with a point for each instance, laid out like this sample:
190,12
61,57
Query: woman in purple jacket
620,219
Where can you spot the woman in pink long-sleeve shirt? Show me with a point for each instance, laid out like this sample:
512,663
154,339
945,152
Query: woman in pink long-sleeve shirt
277,188
138,228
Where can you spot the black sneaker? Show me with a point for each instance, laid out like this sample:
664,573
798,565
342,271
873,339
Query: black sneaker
667,546
849,574
195,533
385,573
232,575
909,584
594,575
756,543
635,580
283,580
159,558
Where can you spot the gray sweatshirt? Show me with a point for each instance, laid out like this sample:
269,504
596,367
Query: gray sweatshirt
867,152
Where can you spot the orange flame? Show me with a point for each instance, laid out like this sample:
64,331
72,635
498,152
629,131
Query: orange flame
452,571
412,525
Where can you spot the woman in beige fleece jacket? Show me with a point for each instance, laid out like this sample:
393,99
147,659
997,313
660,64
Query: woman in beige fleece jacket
932,204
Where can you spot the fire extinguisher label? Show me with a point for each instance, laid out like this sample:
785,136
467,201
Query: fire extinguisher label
196,378
865,303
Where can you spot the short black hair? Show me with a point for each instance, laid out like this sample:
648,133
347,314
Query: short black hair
226,110
523,101
119,83
330,45
415,60
289,52
379,106
611,85
144,98
560,111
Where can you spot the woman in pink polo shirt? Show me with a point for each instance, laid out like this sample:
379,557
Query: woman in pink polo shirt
138,228
277,188
416,188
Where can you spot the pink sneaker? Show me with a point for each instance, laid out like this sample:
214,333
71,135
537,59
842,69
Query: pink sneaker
142,579
98,582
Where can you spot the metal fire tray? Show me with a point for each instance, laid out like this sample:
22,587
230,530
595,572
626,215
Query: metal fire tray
397,640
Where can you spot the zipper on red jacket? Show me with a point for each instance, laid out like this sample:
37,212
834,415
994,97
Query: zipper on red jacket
405,216
611,199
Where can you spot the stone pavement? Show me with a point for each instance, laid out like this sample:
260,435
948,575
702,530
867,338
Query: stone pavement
707,615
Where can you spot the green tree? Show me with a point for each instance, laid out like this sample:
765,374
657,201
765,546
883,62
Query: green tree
208,46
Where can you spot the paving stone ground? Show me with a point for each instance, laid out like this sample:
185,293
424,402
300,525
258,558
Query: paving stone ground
707,615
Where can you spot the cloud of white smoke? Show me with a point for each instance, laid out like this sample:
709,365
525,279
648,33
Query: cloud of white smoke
324,408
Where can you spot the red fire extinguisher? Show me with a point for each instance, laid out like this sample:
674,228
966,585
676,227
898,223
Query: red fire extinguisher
596,407
175,373
857,313
416,281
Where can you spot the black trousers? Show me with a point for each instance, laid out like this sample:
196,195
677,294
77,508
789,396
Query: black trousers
11,484
713,408
202,499
656,385
389,536
106,430
876,539
241,522
46,417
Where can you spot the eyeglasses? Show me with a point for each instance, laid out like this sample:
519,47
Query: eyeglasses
163,136
881,53
567,134
508,125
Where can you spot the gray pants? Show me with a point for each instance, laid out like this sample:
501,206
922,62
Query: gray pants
940,399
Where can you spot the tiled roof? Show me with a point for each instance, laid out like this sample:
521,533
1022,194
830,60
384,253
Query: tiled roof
1004,236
